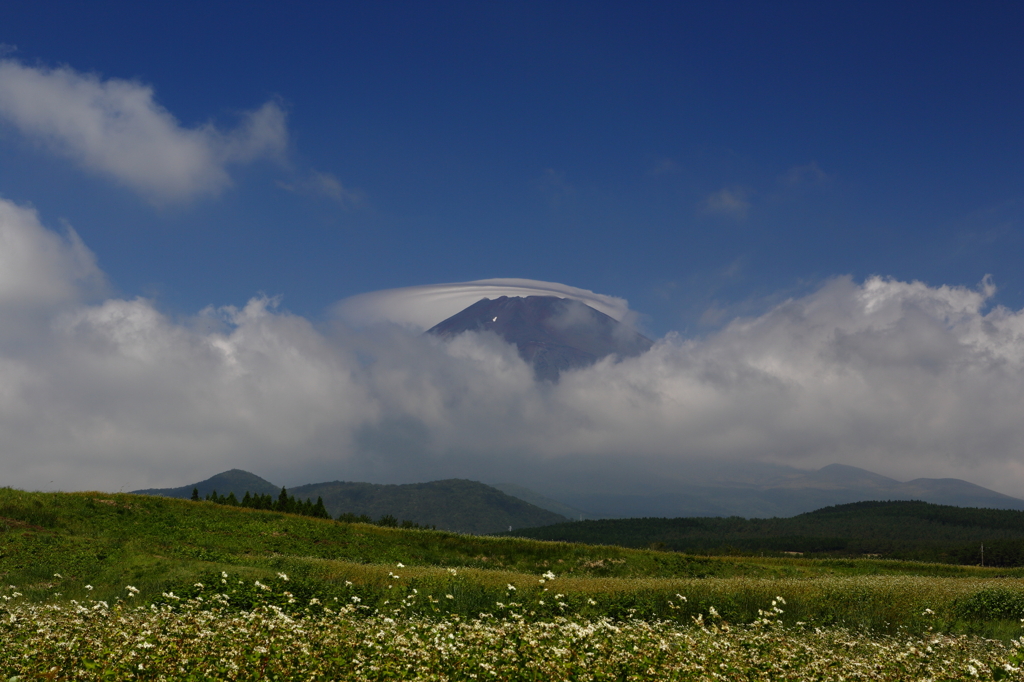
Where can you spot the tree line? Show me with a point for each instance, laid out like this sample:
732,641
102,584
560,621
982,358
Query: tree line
907,530
288,504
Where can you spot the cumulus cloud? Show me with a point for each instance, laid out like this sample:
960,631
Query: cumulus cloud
116,128
40,269
902,378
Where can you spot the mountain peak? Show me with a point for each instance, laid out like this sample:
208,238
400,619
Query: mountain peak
553,334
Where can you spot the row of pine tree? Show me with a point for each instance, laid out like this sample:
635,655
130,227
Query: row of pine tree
288,503
284,503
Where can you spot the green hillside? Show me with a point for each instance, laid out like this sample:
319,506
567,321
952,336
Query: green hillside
897,530
112,540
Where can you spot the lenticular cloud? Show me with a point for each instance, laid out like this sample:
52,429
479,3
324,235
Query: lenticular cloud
902,378
422,307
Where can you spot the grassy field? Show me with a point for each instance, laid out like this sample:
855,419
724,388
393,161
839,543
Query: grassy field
156,581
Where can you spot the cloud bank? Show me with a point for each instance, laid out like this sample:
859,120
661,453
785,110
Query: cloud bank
899,377
115,127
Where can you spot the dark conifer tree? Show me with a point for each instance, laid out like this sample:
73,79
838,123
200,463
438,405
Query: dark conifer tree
231,499
195,494
247,500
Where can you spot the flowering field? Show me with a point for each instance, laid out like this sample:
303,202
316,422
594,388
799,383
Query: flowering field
97,642
128,587
240,630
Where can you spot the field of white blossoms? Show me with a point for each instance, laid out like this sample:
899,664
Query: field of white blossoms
205,637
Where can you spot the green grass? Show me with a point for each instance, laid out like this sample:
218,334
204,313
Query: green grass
54,546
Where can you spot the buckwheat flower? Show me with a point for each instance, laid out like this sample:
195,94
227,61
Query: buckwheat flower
549,575
401,565
448,596
223,574
356,599
58,575
282,576
348,583
453,571
89,587
511,587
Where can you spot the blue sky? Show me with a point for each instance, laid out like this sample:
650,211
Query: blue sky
703,162
583,143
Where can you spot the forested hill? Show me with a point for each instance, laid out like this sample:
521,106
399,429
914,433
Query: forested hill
454,504
899,530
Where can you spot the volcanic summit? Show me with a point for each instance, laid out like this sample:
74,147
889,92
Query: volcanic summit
553,334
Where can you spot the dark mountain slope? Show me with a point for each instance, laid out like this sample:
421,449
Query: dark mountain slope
553,334
785,491
453,504
234,481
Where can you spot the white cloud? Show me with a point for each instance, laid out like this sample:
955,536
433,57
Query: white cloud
901,378
326,185
732,202
809,174
116,128
40,269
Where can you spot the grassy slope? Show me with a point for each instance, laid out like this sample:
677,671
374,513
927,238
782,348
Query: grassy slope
155,544
100,537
